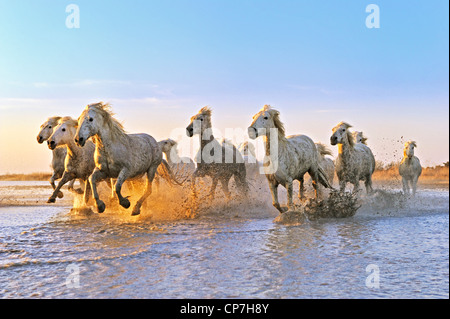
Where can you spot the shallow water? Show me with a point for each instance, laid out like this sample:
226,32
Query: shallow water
51,252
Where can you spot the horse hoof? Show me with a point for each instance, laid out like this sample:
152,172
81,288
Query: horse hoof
136,212
60,195
125,203
100,207
51,200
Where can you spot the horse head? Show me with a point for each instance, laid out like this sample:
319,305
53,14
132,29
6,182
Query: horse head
265,120
409,149
63,133
199,122
46,129
341,134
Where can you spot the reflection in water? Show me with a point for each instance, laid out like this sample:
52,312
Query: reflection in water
222,255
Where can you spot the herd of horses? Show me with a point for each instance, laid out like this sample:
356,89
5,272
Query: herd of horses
96,148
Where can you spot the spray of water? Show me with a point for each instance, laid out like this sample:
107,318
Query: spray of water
170,203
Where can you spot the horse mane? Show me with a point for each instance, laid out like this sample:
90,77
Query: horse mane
105,110
68,120
276,119
53,120
206,110
414,143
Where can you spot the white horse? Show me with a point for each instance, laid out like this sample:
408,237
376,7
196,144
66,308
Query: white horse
410,168
359,137
169,147
58,154
249,154
325,162
287,158
117,154
220,161
79,162
355,162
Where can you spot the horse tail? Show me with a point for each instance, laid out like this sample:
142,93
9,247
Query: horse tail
323,149
323,177
165,171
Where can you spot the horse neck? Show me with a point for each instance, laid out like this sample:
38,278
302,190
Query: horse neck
345,150
73,150
408,157
59,151
104,140
269,139
206,140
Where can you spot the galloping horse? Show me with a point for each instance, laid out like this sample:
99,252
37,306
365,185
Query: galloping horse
79,162
355,161
410,168
287,158
58,154
221,161
117,154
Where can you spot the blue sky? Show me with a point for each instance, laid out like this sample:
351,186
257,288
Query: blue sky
158,62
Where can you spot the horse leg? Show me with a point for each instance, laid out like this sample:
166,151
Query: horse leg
315,184
193,188
54,177
274,191
96,177
224,182
241,180
289,195
414,185
111,187
70,186
355,185
65,178
148,190
342,183
213,187
87,191
368,184
123,175
301,189
405,186
78,190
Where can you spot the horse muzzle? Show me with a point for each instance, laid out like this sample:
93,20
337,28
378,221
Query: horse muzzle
40,140
252,132
51,145
80,141
333,140
189,131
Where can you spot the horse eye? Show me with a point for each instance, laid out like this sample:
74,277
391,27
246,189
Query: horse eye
91,119
201,120
266,118
63,130
343,130
49,126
